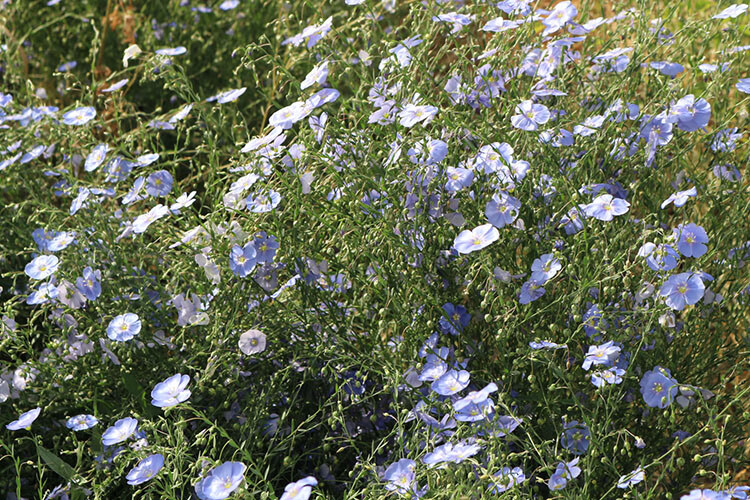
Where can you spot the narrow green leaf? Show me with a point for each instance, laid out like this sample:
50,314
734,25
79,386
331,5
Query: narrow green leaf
56,463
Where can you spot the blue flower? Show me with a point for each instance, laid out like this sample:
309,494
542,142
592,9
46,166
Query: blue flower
96,157
229,95
658,387
124,327
690,114
605,207
143,221
502,209
146,469
79,116
451,453
81,422
263,202
506,478
610,376
318,75
529,116
732,11
691,239
61,241
705,495
400,476
682,289
564,472
171,392
431,151
159,183
265,247
545,268
575,437
680,197
24,420
451,382
120,431
628,480
242,260
43,294
117,85
220,481
252,342
171,51
530,291
601,355
412,114
476,239
475,411
545,344
299,490
90,284
659,257
475,397
457,319
42,267
500,425
229,4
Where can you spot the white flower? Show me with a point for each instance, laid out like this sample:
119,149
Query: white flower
252,342
131,52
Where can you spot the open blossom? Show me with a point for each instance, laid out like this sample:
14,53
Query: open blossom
42,267
299,490
562,13
564,472
691,240
680,197
530,291
400,476
81,422
242,260
96,157
458,20
682,289
658,387
286,117
605,207
451,382
171,392
252,342
628,480
24,420
502,209
659,257
120,431
476,239
221,481
316,75
734,10
159,183
690,113
145,469
601,355
529,116
413,114
79,116
506,478
124,327
545,268
141,223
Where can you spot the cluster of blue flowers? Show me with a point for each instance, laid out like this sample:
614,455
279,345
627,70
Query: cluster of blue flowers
255,282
